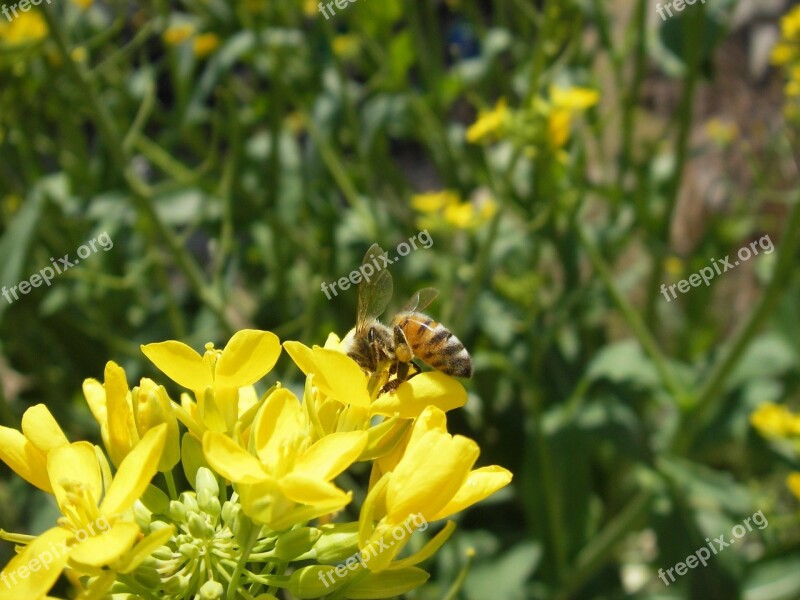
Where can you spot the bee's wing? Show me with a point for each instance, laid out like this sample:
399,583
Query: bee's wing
373,295
420,300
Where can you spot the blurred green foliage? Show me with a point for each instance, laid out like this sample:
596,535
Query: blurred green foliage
241,153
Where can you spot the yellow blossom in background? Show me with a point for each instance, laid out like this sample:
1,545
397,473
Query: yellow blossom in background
84,4
26,28
793,483
445,209
346,46
434,202
79,54
786,54
204,44
310,7
721,132
564,103
673,265
178,34
775,421
490,125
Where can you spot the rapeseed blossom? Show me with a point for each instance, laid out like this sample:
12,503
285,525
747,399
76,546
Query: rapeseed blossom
262,506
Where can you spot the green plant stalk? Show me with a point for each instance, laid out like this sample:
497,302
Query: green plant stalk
711,396
458,583
598,551
685,120
140,192
633,319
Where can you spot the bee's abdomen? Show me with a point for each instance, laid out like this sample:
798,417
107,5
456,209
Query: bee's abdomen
435,344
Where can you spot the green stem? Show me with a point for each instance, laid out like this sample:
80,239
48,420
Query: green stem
452,593
711,395
599,550
173,490
632,318
233,584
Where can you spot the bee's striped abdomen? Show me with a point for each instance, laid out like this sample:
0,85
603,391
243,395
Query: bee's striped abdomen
433,343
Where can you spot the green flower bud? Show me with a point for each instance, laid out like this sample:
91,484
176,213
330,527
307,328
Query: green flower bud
292,544
337,542
142,516
177,585
189,550
211,590
198,527
230,511
190,502
387,584
315,581
207,488
177,511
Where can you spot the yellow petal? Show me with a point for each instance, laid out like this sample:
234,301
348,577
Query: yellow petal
331,455
122,434
248,356
308,490
278,419
304,358
344,377
74,464
95,395
135,472
145,548
41,428
25,459
31,573
106,548
421,485
180,363
481,483
413,396
231,460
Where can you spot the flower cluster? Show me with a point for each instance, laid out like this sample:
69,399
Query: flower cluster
786,54
545,126
777,423
261,509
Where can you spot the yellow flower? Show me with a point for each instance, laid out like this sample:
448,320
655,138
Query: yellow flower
490,125
783,53
310,7
434,202
289,480
217,377
432,479
790,25
673,265
793,483
26,28
574,98
125,417
84,4
204,44
346,46
26,452
721,132
95,530
178,34
775,421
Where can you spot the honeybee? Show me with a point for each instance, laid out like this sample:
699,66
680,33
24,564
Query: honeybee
411,333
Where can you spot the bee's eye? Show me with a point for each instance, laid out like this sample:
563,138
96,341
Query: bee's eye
371,334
